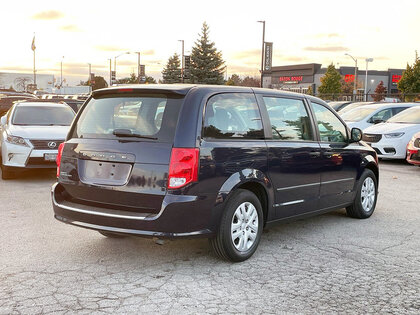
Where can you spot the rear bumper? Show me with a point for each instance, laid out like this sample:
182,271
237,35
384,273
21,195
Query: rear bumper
413,156
181,216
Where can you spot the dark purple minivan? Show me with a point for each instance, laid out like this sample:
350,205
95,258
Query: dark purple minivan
209,161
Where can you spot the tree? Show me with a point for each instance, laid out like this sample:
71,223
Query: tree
330,82
380,92
99,83
21,83
251,81
410,80
309,91
132,79
207,65
150,80
234,79
172,71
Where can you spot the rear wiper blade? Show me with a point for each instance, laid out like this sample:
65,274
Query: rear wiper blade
129,133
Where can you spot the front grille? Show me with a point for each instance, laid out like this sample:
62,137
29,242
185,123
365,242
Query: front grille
370,137
43,144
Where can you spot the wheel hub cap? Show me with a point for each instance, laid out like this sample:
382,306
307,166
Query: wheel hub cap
368,194
244,226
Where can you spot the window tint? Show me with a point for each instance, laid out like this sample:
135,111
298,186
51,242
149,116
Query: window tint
43,115
331,129
383,115
397,110
289,119
153,115
232,115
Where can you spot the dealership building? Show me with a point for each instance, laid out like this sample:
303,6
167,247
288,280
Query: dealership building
298,78
19,81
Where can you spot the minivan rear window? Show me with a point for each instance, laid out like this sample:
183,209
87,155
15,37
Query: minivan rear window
152,116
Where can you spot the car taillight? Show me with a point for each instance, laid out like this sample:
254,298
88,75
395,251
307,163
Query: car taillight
183,168
58,160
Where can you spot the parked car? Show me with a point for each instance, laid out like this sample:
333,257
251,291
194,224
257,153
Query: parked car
390,139
209,161
30,134
337,106
413,150
351,106
6,101
367,115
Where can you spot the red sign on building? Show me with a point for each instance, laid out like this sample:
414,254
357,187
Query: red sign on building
291,78
396,78
349,78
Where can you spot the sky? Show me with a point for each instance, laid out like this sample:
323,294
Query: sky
80,32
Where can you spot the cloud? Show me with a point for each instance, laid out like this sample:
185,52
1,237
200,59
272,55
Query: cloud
326,48
48,15
293,58
247,54
328,35
70,28
149,52
110,48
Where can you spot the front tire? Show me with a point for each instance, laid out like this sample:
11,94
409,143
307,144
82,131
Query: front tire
367,192
240,228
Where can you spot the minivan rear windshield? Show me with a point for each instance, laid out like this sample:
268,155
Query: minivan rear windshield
133,117
43,116
409,116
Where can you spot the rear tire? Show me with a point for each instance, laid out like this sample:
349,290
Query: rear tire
367,194
240,228
111,235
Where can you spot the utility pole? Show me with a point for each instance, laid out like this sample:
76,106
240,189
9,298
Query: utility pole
89,80
355,76
115,62
262,51
182,60
366,77
138,66
110,71
61,73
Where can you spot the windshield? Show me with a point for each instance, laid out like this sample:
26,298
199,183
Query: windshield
336,105
357,114
152,116
409,116
43,115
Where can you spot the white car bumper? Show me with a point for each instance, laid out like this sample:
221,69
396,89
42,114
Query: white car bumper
25,156
390,148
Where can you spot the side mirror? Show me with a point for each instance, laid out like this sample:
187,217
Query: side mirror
377,121
356,135
3,120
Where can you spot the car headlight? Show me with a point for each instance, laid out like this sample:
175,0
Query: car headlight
16,140
394,135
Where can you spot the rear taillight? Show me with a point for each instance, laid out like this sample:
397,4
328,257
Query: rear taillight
183,168
58,160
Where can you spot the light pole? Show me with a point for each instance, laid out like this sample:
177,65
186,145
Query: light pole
366,77
355,76
61,73
110,71
262,51
138,66
115,62
89,80
182,60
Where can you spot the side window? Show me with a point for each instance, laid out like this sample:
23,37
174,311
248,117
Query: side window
397,110
232,115
289,119
331,129
382,115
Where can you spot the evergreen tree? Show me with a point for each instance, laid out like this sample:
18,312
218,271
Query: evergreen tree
330,82
234,79
310,92
410,80
130,80
207,65
150,80
172,72
380,92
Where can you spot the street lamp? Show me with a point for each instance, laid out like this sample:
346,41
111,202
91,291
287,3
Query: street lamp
366,77
182,60
89,80
61,73
355,75
262,51
138,66
115,62
110,71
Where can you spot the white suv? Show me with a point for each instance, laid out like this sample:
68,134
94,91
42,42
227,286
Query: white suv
30,134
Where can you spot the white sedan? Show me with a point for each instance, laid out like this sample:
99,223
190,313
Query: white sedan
390,139
367,115
30,134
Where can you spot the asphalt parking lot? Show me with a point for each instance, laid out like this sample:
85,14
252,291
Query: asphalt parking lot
324,264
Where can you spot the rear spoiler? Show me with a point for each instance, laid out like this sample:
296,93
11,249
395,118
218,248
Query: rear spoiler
146,89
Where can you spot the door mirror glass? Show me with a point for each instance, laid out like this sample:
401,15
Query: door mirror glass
356,135
377,121
3,120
